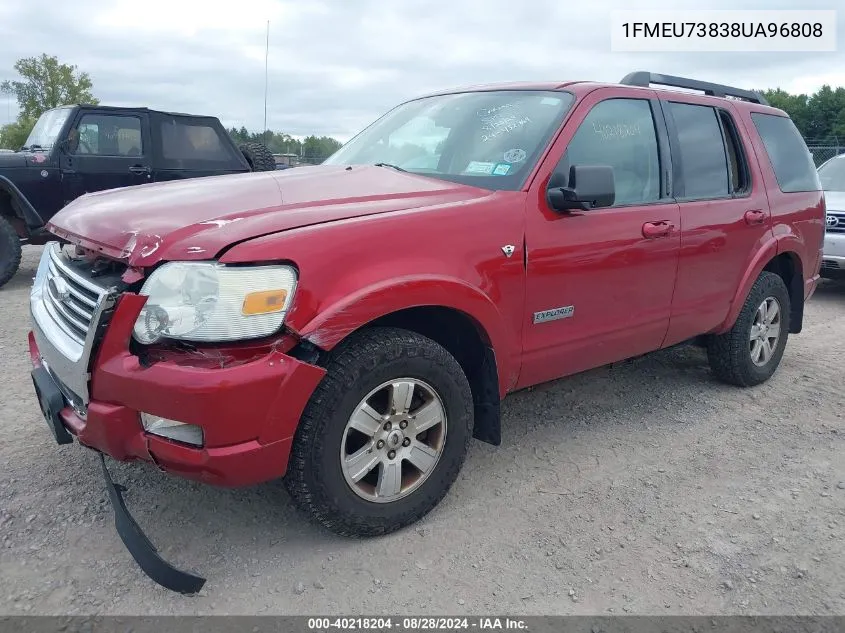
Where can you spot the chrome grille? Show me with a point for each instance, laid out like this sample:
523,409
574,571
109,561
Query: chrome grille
70,299
69,311
835,222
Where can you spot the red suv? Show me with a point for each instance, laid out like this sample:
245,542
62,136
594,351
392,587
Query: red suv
351,326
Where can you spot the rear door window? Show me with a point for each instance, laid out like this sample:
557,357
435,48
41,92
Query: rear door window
704,164
788,154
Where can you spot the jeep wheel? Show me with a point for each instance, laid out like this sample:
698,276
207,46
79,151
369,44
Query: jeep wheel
383,436
750,352
10,251
259,156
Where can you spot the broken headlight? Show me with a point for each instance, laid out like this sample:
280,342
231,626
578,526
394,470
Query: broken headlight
209,302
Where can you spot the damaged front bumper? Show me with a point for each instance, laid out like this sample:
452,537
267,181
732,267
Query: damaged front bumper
248,408
51,401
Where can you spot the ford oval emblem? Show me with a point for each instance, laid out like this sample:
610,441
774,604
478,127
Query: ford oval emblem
59,289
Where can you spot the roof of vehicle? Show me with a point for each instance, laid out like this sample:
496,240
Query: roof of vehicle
133,109
634,81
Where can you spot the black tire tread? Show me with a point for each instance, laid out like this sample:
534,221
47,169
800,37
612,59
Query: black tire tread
352,359
728,353
259,156
10,251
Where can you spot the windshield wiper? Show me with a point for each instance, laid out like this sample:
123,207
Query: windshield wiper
396,167
32,148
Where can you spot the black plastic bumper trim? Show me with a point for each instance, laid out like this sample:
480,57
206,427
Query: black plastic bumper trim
144,553
51,401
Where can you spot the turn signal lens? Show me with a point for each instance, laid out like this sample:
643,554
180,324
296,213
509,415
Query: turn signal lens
264,302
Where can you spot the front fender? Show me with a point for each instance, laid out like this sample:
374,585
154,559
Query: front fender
24,209
367,304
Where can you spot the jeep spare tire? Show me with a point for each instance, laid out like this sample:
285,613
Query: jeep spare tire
259,156
10,251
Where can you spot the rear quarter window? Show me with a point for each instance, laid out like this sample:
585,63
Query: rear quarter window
791,160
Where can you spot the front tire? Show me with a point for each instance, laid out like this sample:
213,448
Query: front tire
10,251
750,352
384,435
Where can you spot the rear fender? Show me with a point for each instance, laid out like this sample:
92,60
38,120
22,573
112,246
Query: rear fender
755,267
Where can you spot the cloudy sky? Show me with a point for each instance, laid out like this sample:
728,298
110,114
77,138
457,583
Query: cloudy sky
334,65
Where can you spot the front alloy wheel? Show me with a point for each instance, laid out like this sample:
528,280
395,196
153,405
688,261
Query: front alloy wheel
393,440
384,434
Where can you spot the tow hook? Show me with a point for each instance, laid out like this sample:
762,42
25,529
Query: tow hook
142,550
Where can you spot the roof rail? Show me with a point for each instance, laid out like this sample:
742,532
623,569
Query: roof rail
645,79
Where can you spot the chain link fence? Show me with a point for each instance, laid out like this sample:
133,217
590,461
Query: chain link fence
825,149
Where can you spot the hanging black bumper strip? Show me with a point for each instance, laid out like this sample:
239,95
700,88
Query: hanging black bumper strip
144,553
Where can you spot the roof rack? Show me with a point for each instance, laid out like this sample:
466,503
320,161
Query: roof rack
645,79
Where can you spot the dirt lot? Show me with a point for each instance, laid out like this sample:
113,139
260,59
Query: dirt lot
643,488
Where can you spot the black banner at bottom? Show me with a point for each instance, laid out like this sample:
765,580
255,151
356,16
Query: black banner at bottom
423,624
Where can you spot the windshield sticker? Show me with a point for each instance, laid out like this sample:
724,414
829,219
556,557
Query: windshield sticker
550,101
515,155
501,169
616,131
478,167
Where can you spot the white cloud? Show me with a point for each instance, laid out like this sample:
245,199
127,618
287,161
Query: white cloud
335,65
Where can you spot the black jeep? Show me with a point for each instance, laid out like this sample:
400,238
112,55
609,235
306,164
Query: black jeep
73,150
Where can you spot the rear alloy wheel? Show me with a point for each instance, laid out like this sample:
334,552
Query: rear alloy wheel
765,331
384,434
750,352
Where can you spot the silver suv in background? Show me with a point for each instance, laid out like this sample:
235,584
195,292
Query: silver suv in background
832,176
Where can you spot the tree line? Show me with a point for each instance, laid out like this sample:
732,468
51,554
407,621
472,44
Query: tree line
819,116
311,149
46,83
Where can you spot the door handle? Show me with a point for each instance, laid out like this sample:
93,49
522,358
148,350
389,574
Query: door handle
658,228
755,216
140,169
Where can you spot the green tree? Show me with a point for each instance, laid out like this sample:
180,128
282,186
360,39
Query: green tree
13,135
796,106
46,84
820,115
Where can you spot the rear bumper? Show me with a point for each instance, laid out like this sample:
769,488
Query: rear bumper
248,411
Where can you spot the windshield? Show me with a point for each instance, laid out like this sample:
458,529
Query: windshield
832,174
489,139
47,128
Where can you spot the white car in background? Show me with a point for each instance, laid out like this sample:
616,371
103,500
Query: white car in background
832,176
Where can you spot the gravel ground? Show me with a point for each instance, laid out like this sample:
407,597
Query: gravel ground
645,488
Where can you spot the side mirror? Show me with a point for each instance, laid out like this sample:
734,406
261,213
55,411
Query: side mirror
589,187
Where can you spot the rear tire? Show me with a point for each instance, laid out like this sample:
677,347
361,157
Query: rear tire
320,478
748,354
10,251
259,156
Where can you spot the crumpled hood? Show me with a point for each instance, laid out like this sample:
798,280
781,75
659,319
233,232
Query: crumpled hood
834,200
199,217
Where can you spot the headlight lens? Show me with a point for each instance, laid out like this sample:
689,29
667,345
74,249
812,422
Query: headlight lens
206,301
